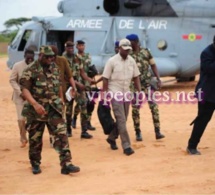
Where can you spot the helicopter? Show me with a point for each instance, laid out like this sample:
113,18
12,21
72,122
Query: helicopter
175,31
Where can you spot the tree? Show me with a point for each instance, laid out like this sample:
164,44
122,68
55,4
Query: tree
17,22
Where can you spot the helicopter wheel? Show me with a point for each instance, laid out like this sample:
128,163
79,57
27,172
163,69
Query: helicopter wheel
185,79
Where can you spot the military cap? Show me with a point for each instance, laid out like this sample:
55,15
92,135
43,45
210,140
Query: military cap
125,44
80,42
46,50
117,44
69,44
132,37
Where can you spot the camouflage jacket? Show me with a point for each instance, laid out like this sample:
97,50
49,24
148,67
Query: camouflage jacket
44,86
75,65
144,60
86,61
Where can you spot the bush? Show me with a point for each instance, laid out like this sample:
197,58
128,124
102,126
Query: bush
7,37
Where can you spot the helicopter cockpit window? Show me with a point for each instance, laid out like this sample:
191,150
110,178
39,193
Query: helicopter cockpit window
24,40
33,40
15,40
162,45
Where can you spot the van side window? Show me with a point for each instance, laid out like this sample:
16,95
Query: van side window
24,40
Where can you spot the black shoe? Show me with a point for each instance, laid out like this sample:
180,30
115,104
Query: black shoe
112,143
193,151
158,135
69,169
128,151
73,123
69,130
139,136
86,135
90,127
36,169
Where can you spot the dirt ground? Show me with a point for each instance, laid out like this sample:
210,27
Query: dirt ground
157,167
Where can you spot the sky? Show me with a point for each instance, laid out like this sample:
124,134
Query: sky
26,8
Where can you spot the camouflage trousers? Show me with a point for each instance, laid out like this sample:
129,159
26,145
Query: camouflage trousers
90,108
81,101
154,110
57,128
69,107
76,110
68,117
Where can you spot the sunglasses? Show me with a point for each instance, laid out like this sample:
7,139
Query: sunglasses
47,57
70,47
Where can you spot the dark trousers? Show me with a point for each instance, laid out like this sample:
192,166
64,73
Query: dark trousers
205,112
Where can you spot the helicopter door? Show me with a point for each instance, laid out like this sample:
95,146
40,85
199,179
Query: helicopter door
59,38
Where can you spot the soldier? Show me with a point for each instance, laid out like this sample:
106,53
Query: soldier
17,97
86,59
67,81
40,85
76,66
144,60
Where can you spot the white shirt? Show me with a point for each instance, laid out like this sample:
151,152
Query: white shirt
120,72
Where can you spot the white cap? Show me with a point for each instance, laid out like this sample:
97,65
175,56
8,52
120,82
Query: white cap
125,44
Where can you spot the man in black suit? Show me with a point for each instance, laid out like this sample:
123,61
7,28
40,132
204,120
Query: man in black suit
205,92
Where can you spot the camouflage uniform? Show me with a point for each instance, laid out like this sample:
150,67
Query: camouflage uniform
76,64
86,59
43,83
144,59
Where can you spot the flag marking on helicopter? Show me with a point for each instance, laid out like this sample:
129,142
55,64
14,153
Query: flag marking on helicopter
192,37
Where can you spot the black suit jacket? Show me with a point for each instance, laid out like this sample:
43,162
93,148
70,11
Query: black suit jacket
207,75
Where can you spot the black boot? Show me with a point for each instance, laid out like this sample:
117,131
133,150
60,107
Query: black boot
68,125
36,169
158,135
69,169
138,135
84,133
90,127
74,121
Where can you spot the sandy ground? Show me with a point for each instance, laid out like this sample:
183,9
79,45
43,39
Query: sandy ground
157,167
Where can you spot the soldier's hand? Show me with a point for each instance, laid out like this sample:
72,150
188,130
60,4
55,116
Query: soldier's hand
73,93
39,109
159,84
21,95
93,82
82,87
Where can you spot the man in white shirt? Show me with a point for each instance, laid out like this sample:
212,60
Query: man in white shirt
118,73
18,98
